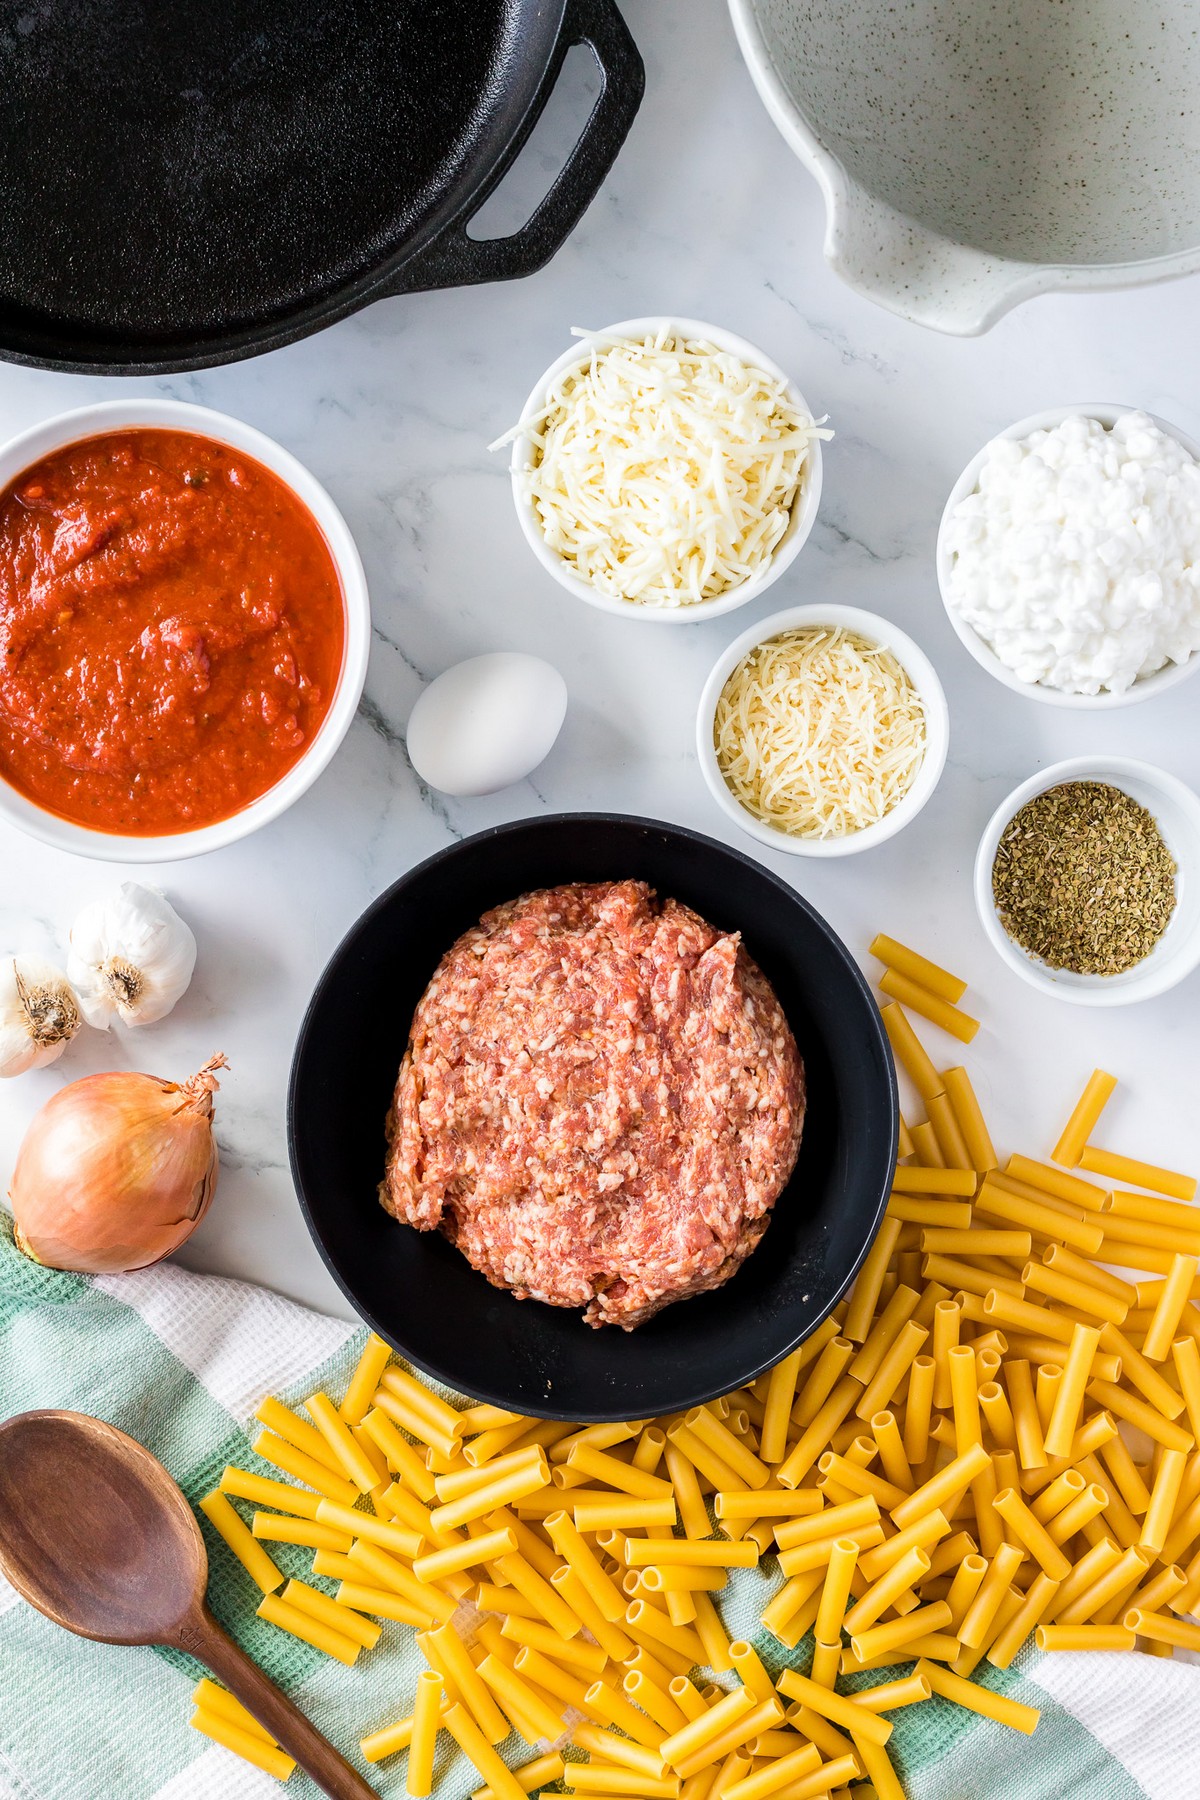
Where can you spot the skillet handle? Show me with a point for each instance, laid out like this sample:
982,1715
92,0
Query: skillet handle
453,259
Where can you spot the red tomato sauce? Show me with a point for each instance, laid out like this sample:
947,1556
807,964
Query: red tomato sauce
171,631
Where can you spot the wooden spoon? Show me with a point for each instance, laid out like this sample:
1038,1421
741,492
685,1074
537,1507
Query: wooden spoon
96,1535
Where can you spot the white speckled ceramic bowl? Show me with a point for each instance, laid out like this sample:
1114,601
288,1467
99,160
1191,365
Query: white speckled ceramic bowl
804,507
920,672
1176,811
1107,412
972,156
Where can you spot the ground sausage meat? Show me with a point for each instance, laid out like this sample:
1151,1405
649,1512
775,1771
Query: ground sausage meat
600,1102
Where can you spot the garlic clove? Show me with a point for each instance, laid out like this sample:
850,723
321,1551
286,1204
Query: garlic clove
131,957
39,1014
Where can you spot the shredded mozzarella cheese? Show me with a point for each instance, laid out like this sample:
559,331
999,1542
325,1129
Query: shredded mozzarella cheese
819,732
665,471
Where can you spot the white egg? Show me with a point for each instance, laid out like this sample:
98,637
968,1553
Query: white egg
486,723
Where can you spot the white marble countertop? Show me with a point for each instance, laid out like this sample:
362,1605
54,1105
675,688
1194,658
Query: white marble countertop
706,214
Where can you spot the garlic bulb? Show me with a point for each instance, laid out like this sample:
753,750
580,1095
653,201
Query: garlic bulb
131,957
39,1015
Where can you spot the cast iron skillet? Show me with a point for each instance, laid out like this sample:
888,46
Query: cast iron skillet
186,184
422,1295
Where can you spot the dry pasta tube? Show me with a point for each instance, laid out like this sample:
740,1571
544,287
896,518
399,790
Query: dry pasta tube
1163,1498
296,1431
373,1360
605,1703
903,1574
693,1514
590,1778
837,1708
1159,1628
878,1640
1185,1354
485,1548
312,1631
951,1141
208,1697
763,1717
895,955
1056,1183
961,1095
916,1209
246,1744
305,1468
1085,1637
330,1612
879,1772
1030,1532
394,1538
979,1699
519,1700
831,1365
864,1296
694,1734
894,1694
930,1182
1176,1290
226,1522
711,1466
1140,1413
919,999
1068,1400
641,1553
1033,1608
828,1524
591,1658
477,1750
725,1444
400,1456
550,1604
928,1151
781,1390
580,1605
469,1480
835,1593
532,1775
1131,1172
621,1515
263,1491
799,1762
278,1528
613,1749
648,1622
423,1400
943,1489
766,1503
748,1663
910,1053
1082,1122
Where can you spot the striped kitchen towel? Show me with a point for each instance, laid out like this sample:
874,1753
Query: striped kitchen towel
180,1362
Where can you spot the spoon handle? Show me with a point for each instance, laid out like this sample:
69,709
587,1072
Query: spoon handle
205,1640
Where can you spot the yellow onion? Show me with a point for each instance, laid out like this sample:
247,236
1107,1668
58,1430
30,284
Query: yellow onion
116,1171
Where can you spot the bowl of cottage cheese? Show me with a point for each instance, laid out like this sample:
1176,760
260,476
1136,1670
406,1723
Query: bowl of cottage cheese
1069,556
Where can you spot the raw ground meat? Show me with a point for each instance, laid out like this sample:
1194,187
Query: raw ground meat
600,1102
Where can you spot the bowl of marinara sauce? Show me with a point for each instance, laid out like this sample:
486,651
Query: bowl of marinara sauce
184,628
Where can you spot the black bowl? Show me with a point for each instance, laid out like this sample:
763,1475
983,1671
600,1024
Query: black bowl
420,1294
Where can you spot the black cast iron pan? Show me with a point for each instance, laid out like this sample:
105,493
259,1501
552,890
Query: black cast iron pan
186,184
420,1293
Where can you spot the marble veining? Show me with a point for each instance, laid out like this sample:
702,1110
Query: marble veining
707,214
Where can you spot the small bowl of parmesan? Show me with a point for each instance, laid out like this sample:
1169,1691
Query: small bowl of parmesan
665,470
823,730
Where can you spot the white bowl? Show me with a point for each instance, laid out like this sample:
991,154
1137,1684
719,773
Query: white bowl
1176,811
920,672
1107,413
804,507
177,415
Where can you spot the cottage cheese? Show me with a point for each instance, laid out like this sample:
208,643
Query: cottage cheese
1077,558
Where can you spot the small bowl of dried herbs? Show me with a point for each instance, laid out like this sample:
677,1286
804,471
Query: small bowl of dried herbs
1087,881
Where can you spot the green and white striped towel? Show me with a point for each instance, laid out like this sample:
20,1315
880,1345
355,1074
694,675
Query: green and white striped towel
180,1361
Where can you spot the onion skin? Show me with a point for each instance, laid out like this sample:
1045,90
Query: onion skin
116,1171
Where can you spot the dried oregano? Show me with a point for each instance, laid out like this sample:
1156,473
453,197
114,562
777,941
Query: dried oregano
1083,880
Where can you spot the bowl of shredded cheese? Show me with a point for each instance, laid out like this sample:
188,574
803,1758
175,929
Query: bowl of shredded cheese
823,730
664,469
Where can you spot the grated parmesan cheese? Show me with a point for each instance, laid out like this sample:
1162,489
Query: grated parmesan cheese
665,471
819,732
